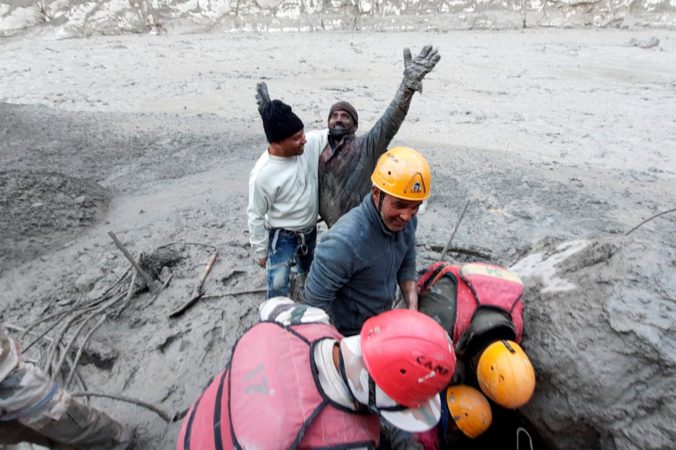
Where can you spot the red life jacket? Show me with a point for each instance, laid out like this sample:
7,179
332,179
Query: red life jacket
270,398
479,285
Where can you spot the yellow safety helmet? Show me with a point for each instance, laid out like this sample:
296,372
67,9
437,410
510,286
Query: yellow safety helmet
505,374
403,173
469,409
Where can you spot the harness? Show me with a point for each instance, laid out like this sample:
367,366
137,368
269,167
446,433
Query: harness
301,245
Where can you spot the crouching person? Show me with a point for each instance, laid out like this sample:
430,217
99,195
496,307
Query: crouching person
35,409
481,307
294,382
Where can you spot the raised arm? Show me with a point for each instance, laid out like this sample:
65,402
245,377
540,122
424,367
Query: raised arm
262,96
415,69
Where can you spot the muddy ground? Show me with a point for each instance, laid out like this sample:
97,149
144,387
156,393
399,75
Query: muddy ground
557,134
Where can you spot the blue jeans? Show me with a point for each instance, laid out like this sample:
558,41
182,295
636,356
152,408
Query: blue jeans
285,249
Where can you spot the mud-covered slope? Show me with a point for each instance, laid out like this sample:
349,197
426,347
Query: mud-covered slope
600,320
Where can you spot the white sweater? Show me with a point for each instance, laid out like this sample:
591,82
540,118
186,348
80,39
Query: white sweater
284,192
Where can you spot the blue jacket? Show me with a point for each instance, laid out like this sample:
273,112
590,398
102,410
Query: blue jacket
357,266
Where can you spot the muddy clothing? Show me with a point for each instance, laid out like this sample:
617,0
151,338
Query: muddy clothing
345,169
357,267
38,410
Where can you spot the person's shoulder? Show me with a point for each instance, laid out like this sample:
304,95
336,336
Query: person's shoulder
267,165
261,162
349,223
317,139
267,175
286,312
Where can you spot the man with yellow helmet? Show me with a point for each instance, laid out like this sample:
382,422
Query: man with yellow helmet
371,249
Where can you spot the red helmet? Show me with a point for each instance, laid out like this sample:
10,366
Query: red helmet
408,355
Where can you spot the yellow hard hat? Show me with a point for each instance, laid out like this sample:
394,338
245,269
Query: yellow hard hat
469,409
403,173
505,374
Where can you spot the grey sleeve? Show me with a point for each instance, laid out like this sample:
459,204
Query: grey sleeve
331,269
375,142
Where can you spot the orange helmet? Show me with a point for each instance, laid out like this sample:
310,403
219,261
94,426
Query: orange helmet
505,374
403,173
469,409
408,355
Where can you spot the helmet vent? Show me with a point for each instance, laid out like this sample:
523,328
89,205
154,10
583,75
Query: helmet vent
402,371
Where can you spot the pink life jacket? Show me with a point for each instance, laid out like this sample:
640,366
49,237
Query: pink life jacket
479,285
270,398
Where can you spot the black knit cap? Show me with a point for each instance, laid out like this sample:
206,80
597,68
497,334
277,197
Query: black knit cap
348,108
279,122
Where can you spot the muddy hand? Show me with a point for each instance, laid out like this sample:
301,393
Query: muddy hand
262,96
416,68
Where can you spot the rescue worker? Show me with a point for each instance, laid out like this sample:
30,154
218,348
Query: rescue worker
465,415
35,409
347,160
294,382
283,204
481,307
371,249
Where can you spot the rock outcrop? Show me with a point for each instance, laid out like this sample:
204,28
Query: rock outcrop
600,321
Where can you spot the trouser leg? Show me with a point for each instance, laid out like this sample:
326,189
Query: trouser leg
13,432
306,252
83,427
304,256
28,397
281,253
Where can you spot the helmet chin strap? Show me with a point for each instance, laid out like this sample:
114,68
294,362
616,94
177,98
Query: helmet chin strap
381,199
371,408
341,369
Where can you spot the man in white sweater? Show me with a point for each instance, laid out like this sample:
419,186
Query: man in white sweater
284,197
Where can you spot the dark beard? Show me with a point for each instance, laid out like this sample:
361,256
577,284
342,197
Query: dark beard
339,133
